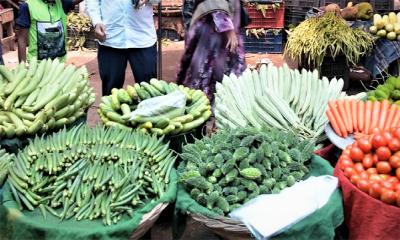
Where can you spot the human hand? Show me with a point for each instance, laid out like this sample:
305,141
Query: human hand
232,43
100,32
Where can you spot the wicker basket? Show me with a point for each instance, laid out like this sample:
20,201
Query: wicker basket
148,221
226,228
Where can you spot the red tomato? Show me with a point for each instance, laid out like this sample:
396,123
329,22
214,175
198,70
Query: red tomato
364,175
367,161
383,153
375,158
388,185
394,161
374,178
397,188
356,154
365,145
383,167
345,162
376,131
398,173
394,145
393,179
389,196
379,141
372,171
363,185
388,136
354,179
375,190
359,167
384,176
396,132
349,171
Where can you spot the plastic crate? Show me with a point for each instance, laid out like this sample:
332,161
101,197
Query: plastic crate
272,19
301,3
170,34
294,18
269,43
331,68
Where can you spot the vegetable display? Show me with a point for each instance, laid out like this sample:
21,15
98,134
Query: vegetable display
361,118
372,164
234,166
44,96
389,90
115,110
387,26
5,163
326,36
79,26
90,173
276,97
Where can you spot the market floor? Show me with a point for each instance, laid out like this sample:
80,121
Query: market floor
171,55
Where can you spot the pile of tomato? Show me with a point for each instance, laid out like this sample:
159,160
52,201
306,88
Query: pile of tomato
373,165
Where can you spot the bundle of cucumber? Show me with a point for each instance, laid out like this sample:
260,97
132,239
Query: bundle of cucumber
5,163
42,96
88,173
115,110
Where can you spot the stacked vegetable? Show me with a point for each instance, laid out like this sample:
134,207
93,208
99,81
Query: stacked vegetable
115,110
5,163
276,97
42,96
373,165
326,36
234,166
387,26
389,90
88,173
348,116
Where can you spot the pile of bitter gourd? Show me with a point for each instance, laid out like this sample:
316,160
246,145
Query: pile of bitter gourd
234,166
90,173
43,96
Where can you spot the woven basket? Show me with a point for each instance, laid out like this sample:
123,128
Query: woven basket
227,228
148,221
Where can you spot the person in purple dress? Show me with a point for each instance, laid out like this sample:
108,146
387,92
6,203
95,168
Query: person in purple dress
213,44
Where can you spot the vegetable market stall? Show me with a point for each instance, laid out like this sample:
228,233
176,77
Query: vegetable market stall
87,174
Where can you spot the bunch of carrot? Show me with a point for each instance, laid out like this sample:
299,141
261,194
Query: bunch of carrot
361,118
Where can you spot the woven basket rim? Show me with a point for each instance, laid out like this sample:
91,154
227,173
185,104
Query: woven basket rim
148,221
157,210
223,223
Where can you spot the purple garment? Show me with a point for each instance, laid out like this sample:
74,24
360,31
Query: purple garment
206,58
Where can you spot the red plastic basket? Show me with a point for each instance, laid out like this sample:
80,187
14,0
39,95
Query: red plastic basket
272,19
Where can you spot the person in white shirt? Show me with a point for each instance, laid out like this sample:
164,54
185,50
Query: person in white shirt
126,33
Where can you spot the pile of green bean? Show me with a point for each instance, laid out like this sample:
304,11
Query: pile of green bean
327,36
90,173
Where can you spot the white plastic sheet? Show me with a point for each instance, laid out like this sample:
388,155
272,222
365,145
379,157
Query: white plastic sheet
270,214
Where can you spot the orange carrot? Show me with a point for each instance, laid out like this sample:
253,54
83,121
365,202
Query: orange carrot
367,118
385,104
343,114
390,117
338,118
361,115
333,122
347,108
376,108
358,135
396,119
353,104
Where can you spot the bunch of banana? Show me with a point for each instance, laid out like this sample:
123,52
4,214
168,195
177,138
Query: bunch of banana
90,173
114,110
42,96
5,163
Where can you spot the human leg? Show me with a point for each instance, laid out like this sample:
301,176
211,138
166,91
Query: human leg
112,65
